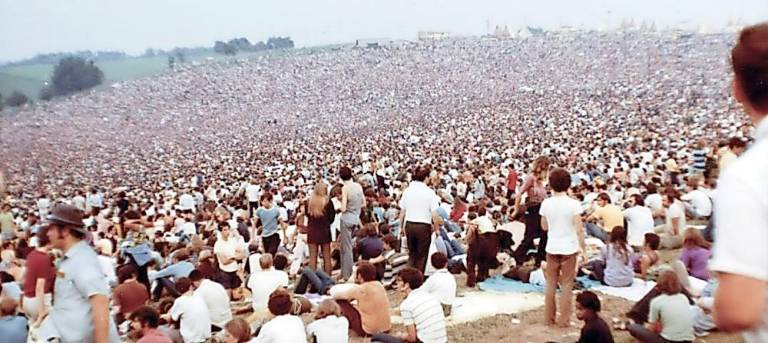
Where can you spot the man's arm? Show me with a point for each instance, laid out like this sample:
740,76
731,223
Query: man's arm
410,333
343,199
738,302
100,315
40,294
544,224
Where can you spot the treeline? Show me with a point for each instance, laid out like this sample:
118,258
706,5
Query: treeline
53,58
235,45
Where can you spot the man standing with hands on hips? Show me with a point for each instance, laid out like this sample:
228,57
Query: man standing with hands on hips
80,311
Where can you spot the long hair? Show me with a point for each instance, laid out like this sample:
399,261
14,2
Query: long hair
618,240
540,167
693,238
318,200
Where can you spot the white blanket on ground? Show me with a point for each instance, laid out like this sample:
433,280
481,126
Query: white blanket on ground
635,292
475,305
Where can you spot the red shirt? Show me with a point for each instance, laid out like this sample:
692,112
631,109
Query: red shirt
130,296
512,180
39,266
154,336
457,212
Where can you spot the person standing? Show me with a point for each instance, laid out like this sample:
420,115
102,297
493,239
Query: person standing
38,279
533,188
320,215
269,220
418,210
740,254
229,252
352,202
80,311
561,217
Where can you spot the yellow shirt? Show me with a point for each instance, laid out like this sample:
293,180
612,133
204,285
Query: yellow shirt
610,215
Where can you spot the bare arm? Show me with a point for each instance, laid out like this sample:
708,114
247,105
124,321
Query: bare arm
735,306
39,294
675,229
410,334
100,314
544,224
343,199
580,232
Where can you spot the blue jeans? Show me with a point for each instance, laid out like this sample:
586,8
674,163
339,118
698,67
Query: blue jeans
386,338
319,281
597,232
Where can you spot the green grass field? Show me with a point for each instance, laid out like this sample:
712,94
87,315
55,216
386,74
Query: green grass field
29,79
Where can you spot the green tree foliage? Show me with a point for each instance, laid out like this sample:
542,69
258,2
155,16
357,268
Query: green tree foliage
224,48
74,74
280,43
16,99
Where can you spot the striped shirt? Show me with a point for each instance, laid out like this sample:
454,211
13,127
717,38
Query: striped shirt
425,312
395,262
699,160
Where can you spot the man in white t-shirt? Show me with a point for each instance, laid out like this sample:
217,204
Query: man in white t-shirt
697,203
264,282
441,284
215,297
190,309
561,218
418,210
229,252
740,254
671,233
252,191
639,221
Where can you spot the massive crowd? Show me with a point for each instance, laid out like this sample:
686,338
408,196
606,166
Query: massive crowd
225,200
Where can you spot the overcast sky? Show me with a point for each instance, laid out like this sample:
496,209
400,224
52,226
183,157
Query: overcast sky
28,27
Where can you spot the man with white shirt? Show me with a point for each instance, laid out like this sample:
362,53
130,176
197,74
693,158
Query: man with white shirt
191,311
215,297
94,201
740,254
698,205
441,284
79,200
229,252
639,220
418,210
263,283
252,191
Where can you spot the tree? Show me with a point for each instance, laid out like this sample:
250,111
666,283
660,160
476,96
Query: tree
241,44
171,62
74,74
1,101
280,43
47,93
224,48
16,99
149,52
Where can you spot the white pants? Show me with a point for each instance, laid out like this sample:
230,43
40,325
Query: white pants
31,306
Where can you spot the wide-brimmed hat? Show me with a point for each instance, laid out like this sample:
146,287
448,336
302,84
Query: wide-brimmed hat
67,215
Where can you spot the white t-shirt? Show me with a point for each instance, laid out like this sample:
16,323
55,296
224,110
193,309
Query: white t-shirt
79,202
701,203
742,221
653,201
562,236
195,320
676,210
330,329
252,193
418,202
442,285
282,329
263,283
217,301
228,249
187,202
639,222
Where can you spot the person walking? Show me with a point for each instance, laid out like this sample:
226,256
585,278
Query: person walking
418,210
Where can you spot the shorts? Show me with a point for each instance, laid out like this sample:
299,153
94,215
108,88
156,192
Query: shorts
230,280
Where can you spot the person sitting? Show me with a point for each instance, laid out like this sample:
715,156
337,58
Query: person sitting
441,284
144,322
483,246
648,257
237,331
130,294
283,327
703,322
695,254
395,261
370,246
615,267
669,317
12,326
671,233
329,325
190,310
595,329
608,214
167,276
371,313
421,312
215,297
263,283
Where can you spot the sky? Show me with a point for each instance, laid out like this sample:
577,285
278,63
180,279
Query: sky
29,27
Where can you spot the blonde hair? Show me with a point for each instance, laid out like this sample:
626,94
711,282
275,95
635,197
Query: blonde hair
328,307
318,200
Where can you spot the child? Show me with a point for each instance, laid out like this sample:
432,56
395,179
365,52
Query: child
329,325
595,329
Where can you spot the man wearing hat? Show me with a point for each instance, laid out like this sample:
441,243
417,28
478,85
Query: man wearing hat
80,311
